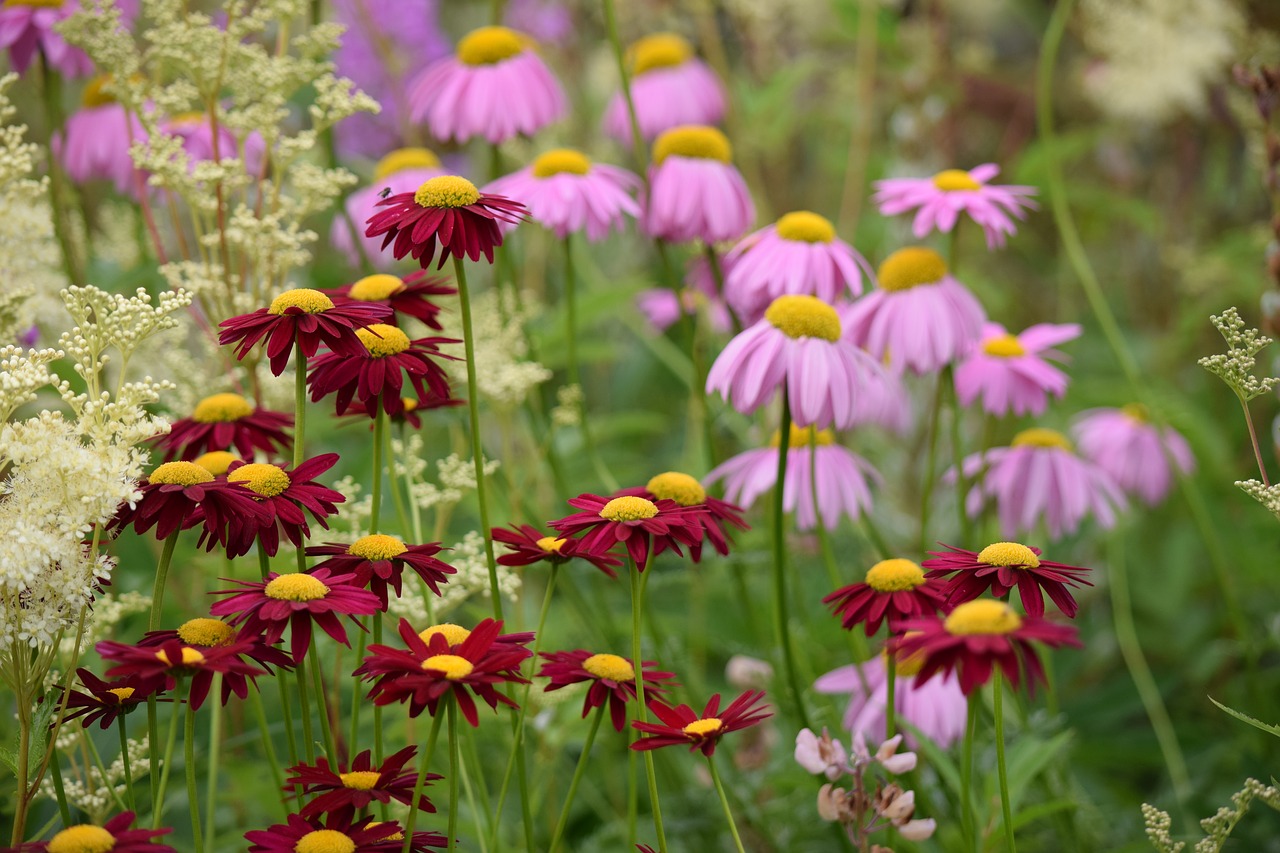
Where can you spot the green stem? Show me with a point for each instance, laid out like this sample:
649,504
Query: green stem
355,697
55,772
724,801
432,736
162,572
157,806
300,400
637,139
637,606
189,759
322,705
967,815
577,777
379,439
97,762
215,749
287,713
779,562
1006,808
264,562
926,487
304,710
890,688
396,498
153,754
130,797
571,335
268,747
377,709
452,713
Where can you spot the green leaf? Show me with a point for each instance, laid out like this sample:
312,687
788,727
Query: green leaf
1042,810
1245,718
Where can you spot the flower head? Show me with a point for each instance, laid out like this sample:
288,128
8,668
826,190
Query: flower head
821,755
96,142
114,835
686,491
304,317
670,87
1002,566
568,193
222,421
178,495
104,702
378,561
28,29
612,678
336,833
893,589
282,493
1011,374
1142,458
402,170
939,201
164,663
344,792
411,296
203,634
634,521
378,371
695,192
527,545
681,725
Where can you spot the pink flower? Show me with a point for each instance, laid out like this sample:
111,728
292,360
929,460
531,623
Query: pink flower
695,192
401,171
937,707
1140,456
28,26
548,21
920,317
800,253
669,87
568,193
939,201
196,133
662,307
495,87
96,142
1010,373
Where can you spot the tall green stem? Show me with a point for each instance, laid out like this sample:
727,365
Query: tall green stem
451,711
322,706
189,759
577,777
571,335
968,818
129,795
299,402
890,701
379,439
215,748
260,714
162,572
624,77
780,560
997,685
304,709
637,606
724,801
157,805
432,736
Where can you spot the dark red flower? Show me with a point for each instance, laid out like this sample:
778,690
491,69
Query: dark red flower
612,678
282,494
106,701
378,562
114,835
686,491
178,495
335,833
680,725
410,296
528,546
167,662
204,633
1002,566
407,411
633,521
343,793
378,371
223,421
894,589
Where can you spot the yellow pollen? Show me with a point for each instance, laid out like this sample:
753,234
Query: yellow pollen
405,158
216,462
382,340
693,140
550,544
296,586
678,487
805,226
894,576
490,45
804,437
190,657
95,94
379,546
360,780
611,667
454,635
446,191
955,179
396,836
982,616
1137,412
267,480
799,316
221,409
910,664
1010,554
454,667
1041,437
701,728
628,508
325,841
1005,346
310,301
660,50
122,694
180,474
909,267
560,160
207,632
375,288
409,403
84,838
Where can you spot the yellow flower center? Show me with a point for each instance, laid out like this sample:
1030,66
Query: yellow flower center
95,94
909,267
660,50
446,191
180,474
701,728
453,634
1009,554
296,586
611,667
408,403
267,480
982,616
909,664
405,158
490,45
804,437
693,140
190,657
395,836
1005,346
379,546
382,340
955,179
454,667
310,301
560,160
628,508
360,780
550,544
1041,437
894,576
375,288
325,841
122,694
805,226
207,632
1137,412
221,409
216,462
678,487
84,838
799,316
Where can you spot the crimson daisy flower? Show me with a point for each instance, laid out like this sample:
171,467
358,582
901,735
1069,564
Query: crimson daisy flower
283,494
634,521
103,702
343,793
167,662
448,210
334,833
686,491
378,370
296,599
303,316
680,725
114,835
528,546
227,420
378,562
1002,566
204,633
405,410
893,589
178,495
976,636
410,296
612,678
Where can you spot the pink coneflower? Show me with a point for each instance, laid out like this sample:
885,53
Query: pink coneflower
96,143
1011,373
892,590
30,26
919,317
568,193
1039,478
1000,568
939,201
669,87
495,86
800,253
1138,455
663,307
695,192
222,421
843,486
401,171
936,707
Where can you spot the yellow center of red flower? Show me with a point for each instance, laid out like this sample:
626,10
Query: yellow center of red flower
906,664
405,158
207,632
951,180
910,267
375,288
894,576
612,667
560,160
395,836
190,657
379,546
660,50
798,316
382,340
453,634
296,586
310,301
95,94
704,727
982,616
325,841
678,487
454,667
267,480
409,403
1041,437
804,437
1136,412
1004,346
180,474
490,45
446,191
693,140
628,508
122,694
360,780
805,226
84,838
221,409
216,462
1009,554
550,544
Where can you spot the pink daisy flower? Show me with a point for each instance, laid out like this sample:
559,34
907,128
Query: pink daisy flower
567,193
495,86
937,707
939,201
663,307
844,479
96,141
920,317
1039,478
695,192
28,26
1011,373
799,253
401,171
1142,458
669,87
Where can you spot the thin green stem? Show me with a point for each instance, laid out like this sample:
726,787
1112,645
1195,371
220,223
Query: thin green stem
575,378
619,57
432,736
322,706
780,561
890,694
1006,808
637,607
189,759
55,772
304,710
162,572
130,797
96,757
724,801
379,439
451,711
260,713
577,777
153,754
215,752
300,400
377,709
286,711
402,514
157,806
968,818
361,638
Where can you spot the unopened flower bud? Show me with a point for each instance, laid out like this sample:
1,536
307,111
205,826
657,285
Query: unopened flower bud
918,830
